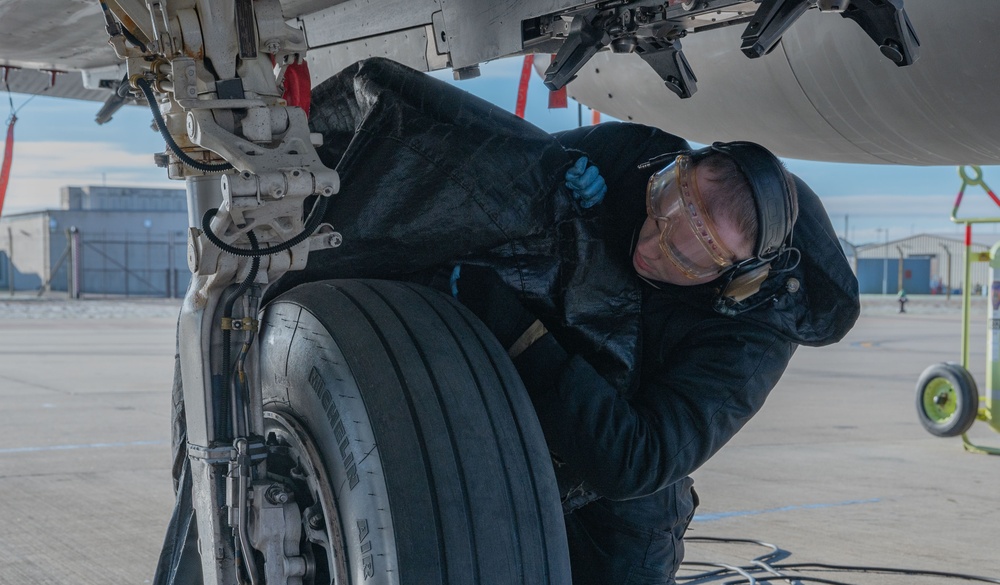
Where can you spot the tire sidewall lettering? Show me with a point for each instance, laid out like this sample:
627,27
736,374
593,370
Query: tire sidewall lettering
325,397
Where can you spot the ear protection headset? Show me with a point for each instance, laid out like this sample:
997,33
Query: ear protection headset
772,198
771,194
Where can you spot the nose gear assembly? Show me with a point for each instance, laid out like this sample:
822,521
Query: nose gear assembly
215,93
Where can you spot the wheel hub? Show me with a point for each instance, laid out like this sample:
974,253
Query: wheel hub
294,460
939,400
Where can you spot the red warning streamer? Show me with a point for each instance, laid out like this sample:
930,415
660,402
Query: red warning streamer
558,98
8,156
298,86
522,88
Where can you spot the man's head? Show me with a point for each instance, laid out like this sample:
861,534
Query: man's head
723,210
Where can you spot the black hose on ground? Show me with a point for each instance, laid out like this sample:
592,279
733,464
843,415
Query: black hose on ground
768,564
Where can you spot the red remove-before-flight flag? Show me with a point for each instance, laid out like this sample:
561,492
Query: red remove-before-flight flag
522,88
8,156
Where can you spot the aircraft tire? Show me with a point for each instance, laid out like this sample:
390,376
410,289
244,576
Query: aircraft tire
431,451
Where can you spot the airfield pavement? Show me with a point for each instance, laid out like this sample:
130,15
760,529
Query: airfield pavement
835,469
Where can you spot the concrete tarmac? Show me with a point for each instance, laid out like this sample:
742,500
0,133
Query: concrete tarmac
836,468
85,487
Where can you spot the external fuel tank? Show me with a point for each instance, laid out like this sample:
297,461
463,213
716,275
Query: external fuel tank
826,92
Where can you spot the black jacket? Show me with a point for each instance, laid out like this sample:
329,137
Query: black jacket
702,375
658,382
460,181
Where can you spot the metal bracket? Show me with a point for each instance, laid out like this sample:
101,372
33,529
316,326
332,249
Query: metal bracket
586,37
244,324
212,455
227,453
832,5
669,62
276,532
887,24
770,21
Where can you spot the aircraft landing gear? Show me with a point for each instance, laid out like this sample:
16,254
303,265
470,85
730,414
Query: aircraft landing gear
407,439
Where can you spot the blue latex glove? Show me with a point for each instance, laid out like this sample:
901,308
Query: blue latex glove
586,183
455,275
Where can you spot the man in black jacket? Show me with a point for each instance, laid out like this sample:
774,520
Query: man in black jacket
709,234
650,368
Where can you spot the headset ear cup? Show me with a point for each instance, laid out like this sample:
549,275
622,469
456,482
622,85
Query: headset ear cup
747,284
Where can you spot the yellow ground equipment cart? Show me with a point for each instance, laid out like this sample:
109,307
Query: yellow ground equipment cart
948,401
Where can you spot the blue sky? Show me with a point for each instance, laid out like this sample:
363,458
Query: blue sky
59,144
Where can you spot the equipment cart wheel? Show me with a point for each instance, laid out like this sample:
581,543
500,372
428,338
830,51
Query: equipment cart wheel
407,439
947,399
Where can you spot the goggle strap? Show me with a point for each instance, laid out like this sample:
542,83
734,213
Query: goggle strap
660,158
767,178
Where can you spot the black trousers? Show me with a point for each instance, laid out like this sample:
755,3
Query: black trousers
633,542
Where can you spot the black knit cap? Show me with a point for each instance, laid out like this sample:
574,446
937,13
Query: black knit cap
771,193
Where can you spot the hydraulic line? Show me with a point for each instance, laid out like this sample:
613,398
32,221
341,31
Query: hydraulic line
135,41
242,540
236,409
241,395
312,222
222,421
111,22
161,125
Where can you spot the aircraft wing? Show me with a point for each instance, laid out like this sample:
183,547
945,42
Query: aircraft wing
70,35
60,47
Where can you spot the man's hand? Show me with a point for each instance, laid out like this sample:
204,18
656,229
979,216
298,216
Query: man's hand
586,183
496,305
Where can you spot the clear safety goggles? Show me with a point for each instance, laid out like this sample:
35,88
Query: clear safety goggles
688,238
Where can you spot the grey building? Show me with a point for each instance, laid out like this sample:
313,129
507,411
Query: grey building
102,240
929,263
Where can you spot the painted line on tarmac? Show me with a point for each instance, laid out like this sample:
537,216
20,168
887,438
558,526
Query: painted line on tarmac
85,446
724,515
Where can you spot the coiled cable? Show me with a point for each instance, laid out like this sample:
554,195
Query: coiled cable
734,575
161,125
312,222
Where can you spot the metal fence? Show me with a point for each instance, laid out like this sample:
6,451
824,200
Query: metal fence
132,266
125,264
